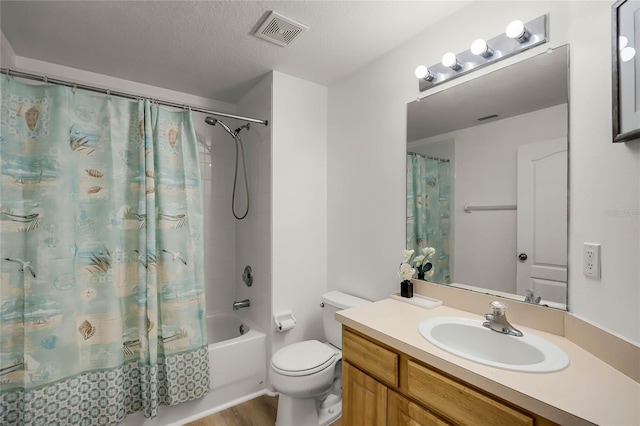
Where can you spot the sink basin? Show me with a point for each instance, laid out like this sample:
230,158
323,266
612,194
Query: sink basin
467,338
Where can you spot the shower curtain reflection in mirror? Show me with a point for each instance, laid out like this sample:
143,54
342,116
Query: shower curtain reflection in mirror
428,203
102,309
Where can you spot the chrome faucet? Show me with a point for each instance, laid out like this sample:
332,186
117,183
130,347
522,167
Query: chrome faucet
497,320
241,304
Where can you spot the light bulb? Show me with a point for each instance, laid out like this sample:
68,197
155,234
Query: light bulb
423,73
517,31
622,42
449,60
481,48
627,54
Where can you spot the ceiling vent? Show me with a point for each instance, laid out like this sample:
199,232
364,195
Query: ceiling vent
279,29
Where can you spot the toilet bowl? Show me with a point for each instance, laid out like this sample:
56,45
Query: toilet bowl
308,374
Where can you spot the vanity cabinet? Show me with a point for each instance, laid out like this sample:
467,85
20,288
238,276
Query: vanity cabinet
383,386
367,398
402,411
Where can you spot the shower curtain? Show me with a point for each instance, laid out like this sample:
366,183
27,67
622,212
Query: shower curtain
102,308
428,186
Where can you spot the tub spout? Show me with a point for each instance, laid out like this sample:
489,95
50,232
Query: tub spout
241,304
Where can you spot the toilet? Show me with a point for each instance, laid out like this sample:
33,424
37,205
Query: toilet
308,374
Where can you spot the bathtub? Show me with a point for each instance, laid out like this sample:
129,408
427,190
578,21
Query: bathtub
238,371
237,351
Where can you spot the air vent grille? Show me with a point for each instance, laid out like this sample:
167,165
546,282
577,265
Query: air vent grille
279,29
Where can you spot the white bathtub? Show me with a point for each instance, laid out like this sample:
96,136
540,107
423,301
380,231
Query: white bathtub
238,370
234,357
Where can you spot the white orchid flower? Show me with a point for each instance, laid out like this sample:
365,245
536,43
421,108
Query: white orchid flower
406,254
428,251
429,273
418,260
406,272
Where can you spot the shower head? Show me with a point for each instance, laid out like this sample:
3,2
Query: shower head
213,121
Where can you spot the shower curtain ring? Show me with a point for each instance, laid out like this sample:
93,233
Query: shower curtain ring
108,92
8,74
73,89
46,80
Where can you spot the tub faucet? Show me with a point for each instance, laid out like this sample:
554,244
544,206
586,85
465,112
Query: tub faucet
497,320
241,304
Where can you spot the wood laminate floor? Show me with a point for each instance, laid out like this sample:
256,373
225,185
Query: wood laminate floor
260,411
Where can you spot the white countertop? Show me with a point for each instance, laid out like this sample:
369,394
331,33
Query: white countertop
587,391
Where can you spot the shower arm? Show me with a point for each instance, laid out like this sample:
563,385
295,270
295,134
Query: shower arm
234,134
246,126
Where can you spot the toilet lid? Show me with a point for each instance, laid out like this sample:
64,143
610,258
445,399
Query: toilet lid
303,358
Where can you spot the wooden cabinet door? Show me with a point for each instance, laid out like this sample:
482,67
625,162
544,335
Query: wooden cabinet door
459,403
402,412
364,399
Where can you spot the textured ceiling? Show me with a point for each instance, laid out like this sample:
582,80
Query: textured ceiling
206,48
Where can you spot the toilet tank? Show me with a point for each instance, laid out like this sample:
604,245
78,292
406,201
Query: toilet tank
336,301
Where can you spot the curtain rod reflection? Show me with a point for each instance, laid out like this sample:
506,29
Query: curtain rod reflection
444,160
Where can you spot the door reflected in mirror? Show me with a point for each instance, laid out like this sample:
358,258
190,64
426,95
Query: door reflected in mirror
487,180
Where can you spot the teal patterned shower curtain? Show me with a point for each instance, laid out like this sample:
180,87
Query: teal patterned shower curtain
102,309
428,187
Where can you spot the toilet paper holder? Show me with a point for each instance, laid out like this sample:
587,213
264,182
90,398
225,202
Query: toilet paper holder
284,320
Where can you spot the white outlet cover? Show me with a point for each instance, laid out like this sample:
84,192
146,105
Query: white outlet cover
591,260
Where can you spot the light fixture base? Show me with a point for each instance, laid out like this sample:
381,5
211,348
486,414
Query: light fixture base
502,47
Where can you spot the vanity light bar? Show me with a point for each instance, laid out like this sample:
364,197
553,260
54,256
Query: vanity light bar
518,38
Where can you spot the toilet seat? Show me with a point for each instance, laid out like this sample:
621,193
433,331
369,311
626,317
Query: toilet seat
303,358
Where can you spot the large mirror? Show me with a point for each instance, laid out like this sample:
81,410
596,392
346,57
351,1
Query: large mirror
487,164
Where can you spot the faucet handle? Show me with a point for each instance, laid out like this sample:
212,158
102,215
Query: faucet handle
498,308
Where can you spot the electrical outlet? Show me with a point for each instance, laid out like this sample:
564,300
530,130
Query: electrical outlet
591,260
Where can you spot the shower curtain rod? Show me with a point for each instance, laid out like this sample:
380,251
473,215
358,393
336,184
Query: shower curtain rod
96,89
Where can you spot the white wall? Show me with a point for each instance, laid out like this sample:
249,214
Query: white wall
79,76
299,204
603,179
7,55
216,166
367,131
254,232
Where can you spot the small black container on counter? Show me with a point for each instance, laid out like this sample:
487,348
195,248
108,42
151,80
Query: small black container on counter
406,288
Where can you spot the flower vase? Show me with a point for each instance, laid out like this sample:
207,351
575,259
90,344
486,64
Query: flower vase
406,289
421,275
